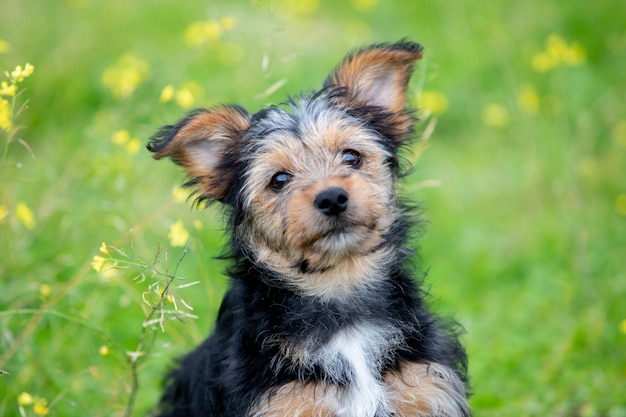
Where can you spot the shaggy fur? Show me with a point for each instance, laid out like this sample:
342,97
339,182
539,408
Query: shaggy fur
324,316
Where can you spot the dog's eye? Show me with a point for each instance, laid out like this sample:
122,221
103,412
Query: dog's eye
279,180
351,158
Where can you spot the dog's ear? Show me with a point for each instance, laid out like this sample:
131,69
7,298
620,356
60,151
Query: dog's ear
205,144
376,79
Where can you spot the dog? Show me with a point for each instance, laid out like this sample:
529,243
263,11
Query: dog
325,316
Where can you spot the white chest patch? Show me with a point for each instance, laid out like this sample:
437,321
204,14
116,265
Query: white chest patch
356,354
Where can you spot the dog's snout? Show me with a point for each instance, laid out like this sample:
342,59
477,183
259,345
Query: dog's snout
332,201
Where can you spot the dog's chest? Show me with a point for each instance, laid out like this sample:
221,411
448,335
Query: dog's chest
352,362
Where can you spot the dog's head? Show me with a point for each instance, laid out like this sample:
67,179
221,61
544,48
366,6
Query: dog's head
310,184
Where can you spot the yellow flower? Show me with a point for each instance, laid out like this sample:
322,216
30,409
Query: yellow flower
167,93
194,34
197,224
4,46
40,407
542,62
495,115
45,290
199,33
212,31
19,73
622,326
133,146
5,115
558,52
434,101
124,77
575,55
185,98
28,70
97,262
120,137
25,399
178,235
104,350
3,212
528,99
188,94
25,215
104,248
7,89
180,194
556,47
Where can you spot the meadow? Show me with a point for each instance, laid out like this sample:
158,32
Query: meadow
107,272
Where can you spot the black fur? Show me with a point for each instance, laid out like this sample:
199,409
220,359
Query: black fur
232,368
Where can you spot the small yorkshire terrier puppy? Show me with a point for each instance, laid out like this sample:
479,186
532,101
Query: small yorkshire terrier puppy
324,317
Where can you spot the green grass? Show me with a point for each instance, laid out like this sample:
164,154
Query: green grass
525,202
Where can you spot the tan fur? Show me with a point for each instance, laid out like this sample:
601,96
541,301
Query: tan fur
294,400
426,390
200,144
416,390
378,77
286,229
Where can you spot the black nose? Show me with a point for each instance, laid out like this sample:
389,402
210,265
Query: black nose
332,201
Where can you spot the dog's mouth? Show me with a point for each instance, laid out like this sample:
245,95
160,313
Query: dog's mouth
347,238
342,229
329,247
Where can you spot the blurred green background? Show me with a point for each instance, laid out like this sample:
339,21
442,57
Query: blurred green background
521,171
